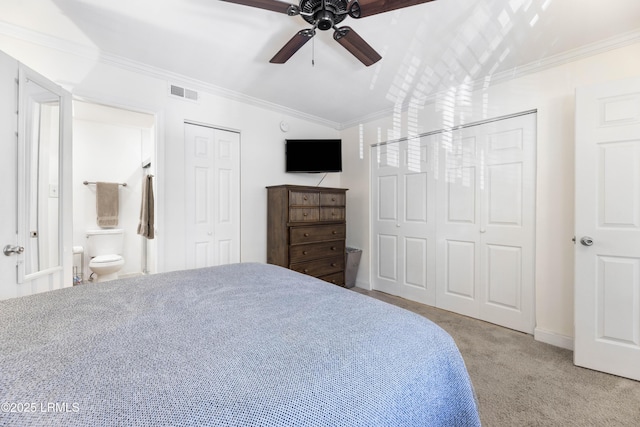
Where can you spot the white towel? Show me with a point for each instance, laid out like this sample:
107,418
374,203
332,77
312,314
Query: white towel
107,204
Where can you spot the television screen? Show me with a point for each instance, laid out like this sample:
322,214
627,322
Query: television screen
314,155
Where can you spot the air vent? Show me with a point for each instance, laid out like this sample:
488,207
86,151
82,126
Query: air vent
183,93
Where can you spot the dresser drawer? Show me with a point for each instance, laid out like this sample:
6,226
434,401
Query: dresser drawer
303,198
332,199
335,278
304,214
320,267
299,253
318,233
332,214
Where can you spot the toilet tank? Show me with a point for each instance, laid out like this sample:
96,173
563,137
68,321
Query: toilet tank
105,241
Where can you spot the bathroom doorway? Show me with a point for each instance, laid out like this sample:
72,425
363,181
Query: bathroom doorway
112,145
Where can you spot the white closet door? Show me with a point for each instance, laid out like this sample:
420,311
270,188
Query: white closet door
212,194
486,222
403,190
485,227
458,226
472,252
507,229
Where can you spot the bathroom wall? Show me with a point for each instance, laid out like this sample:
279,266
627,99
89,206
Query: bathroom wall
110,145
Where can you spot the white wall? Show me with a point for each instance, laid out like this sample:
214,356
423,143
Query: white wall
551,92
262,141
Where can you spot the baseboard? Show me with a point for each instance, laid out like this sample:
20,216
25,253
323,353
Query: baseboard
363,285
553,338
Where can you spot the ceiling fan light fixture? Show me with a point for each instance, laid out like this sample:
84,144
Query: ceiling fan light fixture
324,20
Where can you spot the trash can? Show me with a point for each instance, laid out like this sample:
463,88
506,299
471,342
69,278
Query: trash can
352,262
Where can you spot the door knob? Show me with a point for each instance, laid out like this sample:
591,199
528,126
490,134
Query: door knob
10,250
586,240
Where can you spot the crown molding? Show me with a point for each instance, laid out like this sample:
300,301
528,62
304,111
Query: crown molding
95,54
200,85
566,57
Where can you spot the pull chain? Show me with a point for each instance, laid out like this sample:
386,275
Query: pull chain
313,52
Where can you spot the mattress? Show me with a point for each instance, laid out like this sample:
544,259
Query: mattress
237,345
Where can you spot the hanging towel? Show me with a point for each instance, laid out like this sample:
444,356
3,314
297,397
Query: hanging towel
107,204
145,227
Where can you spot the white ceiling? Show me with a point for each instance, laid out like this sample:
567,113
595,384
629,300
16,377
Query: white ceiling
425,49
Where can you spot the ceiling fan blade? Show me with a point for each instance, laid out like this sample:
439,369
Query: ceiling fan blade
356,45
362,8
273,5
292,46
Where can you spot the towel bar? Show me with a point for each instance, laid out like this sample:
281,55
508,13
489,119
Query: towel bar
124,184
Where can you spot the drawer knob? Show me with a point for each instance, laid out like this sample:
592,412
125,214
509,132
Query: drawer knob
304,198
306,234
333,199
333,264
305,270
334,232
304,252
333,248
305,214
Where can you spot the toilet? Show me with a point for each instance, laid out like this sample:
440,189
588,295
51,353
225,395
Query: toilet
104,248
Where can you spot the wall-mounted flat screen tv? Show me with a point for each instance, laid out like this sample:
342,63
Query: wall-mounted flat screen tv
314,155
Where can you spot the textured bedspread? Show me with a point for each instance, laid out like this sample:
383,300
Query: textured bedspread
237,345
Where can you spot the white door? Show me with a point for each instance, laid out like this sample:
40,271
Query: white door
212,190
8,164
485,222
403,191
453,220
36,225
459,200
607,218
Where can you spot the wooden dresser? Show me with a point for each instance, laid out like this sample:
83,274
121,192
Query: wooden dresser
306,230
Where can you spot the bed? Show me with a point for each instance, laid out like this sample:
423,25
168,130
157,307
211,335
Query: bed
245,344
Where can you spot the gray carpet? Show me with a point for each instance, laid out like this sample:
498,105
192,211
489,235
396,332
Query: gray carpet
523,382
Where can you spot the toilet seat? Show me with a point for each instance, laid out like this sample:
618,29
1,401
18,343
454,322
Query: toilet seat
105,259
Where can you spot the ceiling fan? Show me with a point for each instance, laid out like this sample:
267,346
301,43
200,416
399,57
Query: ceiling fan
325,15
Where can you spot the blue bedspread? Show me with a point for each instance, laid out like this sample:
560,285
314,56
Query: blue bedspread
237,345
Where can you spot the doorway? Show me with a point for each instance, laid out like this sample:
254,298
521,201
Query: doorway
113,145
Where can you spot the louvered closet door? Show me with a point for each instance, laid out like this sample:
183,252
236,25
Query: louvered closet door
403,246
485,229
